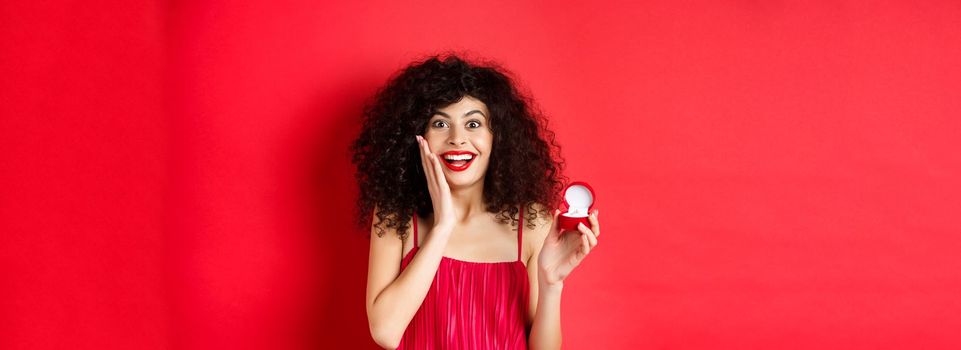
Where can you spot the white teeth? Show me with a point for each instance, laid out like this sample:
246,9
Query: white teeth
459,157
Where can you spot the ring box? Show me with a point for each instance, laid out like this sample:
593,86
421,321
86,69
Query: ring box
580,199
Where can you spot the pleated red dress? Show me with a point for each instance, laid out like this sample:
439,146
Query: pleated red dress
472,305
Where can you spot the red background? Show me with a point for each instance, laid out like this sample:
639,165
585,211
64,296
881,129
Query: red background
770,174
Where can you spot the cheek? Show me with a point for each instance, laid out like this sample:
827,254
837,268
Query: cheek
487,143
485,148
433,141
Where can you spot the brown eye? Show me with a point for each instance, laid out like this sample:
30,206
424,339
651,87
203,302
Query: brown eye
474,122
438,123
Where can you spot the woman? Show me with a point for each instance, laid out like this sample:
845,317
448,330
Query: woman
460,178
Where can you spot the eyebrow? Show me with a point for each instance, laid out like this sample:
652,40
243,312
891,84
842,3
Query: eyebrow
465,114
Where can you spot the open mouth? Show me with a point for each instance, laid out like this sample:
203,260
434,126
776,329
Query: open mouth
458,161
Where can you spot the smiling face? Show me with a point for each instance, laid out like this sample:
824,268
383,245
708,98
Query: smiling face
460,135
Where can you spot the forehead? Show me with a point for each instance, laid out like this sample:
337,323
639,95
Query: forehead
466,105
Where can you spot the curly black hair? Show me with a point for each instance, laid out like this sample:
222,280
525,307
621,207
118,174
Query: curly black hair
525,164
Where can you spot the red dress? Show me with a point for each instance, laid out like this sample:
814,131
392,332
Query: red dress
472,305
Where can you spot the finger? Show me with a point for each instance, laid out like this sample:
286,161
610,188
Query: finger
426,146
587,232
595,224
423,155
439,173
585,245
425,162
437,180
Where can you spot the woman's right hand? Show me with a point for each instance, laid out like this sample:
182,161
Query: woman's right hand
445,216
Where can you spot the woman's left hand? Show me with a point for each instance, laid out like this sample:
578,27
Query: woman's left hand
563,251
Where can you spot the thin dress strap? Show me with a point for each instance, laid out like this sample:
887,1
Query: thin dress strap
520,234
415,229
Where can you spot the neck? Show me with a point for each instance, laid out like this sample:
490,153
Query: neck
468,201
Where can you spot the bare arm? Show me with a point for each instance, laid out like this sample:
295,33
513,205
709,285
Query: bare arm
546,330
393,297
559,254
544,311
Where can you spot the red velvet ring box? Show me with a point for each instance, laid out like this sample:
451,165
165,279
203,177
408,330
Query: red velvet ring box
580,199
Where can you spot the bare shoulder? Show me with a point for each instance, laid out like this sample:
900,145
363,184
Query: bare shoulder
384,259
534,238
386,246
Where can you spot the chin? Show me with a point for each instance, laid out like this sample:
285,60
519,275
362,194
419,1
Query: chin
463,179
460,183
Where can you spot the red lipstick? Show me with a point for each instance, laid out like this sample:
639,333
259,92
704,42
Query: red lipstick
460,162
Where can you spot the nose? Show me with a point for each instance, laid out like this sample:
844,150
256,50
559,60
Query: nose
456,137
